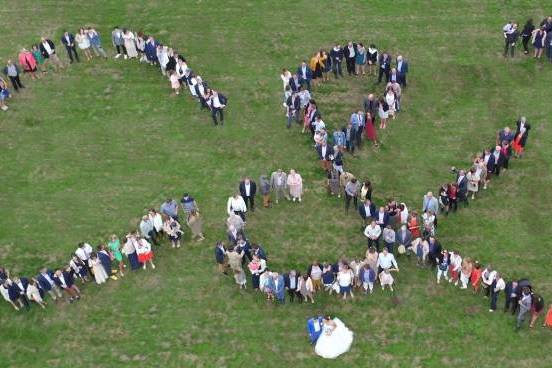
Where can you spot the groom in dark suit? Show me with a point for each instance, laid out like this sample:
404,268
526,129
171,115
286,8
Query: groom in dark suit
248,188
69,41
462,182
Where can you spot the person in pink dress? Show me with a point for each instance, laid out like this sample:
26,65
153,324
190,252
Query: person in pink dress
175,83
28,62
295,185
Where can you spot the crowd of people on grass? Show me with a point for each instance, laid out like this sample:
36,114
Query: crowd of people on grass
129,45
390,229
540,37
107,260
301,107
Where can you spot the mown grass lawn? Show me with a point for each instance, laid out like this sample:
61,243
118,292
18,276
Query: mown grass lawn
85,151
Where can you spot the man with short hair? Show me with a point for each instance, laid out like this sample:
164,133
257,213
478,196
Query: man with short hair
402,70
350,52
384,67
278,183
510,39
358,121
305,75
217,103
48,51
373,232
248,189
169,208
524,306
68,39
386,261
367,210
336,54
462,182
188,203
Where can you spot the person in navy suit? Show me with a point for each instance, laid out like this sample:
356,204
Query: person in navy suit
336,55
68,39
66,281
248,188
350,52
220,257
325,155
291,280
367,211
382,218
384,67
495,162
462,182
279,286
20,285
402,70
46,282
305,75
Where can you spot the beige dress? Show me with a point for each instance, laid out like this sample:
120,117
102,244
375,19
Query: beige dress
196,224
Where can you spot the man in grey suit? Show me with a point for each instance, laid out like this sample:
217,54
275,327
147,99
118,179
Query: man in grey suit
278,183
524,307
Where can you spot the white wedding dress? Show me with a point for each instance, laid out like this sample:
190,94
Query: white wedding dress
332,344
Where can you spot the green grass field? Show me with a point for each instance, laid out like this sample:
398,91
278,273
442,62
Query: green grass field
85,151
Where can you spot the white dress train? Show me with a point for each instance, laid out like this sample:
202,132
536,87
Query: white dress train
332,344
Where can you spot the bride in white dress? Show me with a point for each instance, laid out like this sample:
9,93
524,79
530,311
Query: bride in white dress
335,339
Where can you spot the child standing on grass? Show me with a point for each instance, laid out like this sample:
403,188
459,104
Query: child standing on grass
175,83
386,279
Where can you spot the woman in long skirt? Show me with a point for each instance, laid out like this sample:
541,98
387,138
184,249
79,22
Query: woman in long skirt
370,129
195,222
130,44
129,249
295,185
100,276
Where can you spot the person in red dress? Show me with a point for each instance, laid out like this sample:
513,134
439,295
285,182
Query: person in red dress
475,277
414,226
370,128
516,145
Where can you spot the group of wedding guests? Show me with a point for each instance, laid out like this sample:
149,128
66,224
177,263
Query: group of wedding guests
389,229
301,107
106,260
540,37
129,45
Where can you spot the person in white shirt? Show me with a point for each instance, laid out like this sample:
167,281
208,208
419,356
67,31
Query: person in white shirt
373,232
345,279
236,205
488,277
33,293
386,261
498,285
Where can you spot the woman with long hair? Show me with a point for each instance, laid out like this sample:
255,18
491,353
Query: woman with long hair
539,37
114,246
83,41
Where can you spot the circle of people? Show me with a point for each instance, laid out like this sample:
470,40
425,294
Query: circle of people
389,230
539,37
127,44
